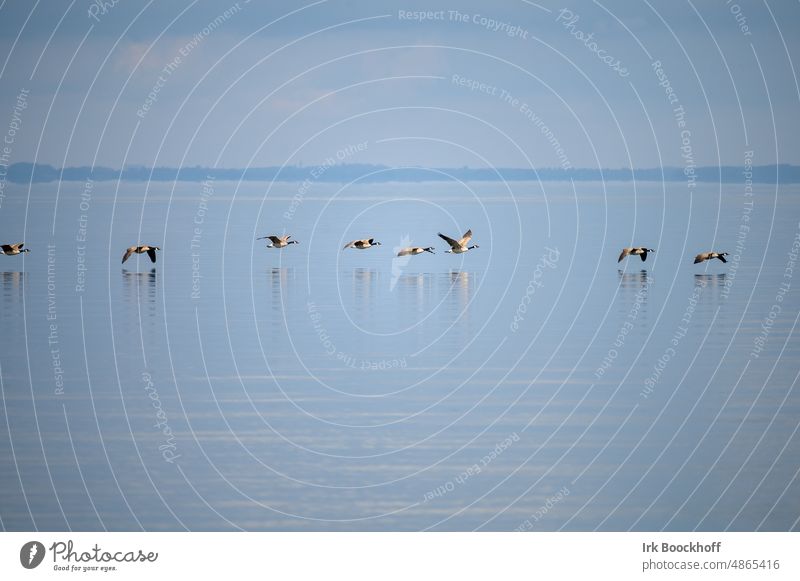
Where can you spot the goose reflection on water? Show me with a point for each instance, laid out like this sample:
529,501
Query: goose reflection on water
139,284
364,285
364,279
633,287
634,280
462,285
711,286
279,282
13,282
414,290
12,289
710,280
417,281
139,292
279,278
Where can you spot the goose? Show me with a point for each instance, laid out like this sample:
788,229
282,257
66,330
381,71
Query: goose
709,256
150,250
13,249
458,246
279,241
361,244
414,250
642,252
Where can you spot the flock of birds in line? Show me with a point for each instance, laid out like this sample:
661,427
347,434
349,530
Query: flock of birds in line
456,247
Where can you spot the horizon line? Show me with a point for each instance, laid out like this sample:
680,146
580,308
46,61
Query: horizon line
28,172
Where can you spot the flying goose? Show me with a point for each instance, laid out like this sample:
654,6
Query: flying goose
13,249
642,252
709,256
458,246
150,250
413,250
361,244
279,241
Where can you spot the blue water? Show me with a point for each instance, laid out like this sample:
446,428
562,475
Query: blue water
530,384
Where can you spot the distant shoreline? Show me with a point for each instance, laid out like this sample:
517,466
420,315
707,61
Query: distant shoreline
23,173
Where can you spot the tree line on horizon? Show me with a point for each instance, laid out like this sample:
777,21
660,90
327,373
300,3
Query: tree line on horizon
26,172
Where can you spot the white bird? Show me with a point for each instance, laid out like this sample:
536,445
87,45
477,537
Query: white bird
458,246
150,250
279,241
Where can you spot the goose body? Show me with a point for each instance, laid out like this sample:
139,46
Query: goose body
459,246
13,249
414,250
641,252
278,241
150,250
362,244
703,256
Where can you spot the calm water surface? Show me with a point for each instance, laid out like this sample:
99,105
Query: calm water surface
532,383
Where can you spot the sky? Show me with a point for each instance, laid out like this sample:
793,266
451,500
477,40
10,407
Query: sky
430,83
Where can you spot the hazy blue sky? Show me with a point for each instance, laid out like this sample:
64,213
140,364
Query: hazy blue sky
283,82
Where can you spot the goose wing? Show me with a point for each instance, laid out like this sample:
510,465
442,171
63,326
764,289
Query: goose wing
466,238
356,244
625,252
700,257
274,239
450,241
7,247
151,252
128,253
643,255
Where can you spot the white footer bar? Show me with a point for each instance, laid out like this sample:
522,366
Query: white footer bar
400,556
